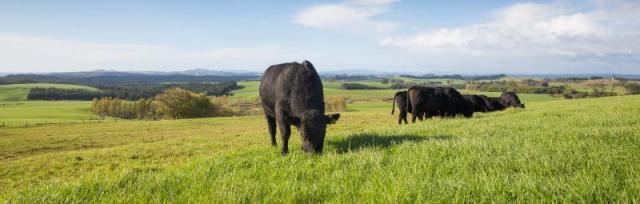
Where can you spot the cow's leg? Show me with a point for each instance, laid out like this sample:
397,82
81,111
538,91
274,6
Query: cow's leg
403,116
416,111
271,122
285,132
414,115
400,118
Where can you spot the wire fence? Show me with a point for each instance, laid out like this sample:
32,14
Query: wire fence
34,123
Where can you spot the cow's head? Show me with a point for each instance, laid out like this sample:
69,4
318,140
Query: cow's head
313,127
510,99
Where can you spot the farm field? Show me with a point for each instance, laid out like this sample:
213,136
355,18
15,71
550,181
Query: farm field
250,91
16,113
19,92
585,150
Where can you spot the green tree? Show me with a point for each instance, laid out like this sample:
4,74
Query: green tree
179,103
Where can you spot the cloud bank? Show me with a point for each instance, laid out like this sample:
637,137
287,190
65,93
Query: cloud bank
23,53
535,37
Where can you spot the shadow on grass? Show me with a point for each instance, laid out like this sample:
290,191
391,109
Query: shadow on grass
360,141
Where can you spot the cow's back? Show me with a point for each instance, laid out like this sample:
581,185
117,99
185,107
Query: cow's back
295,86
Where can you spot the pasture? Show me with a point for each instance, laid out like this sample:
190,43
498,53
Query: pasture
585,150
250,91
19,113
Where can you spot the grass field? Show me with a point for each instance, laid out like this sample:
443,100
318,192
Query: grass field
554,151
250,91
17,113
19,92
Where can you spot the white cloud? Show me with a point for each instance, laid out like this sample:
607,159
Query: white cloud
535,36
355,16
21,53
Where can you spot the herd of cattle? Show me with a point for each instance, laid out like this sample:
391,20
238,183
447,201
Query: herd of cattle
292,94
427,102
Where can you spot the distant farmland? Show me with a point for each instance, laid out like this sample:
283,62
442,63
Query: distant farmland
19,92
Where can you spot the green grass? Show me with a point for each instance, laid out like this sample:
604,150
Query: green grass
19,112
585,151
19,92
250,91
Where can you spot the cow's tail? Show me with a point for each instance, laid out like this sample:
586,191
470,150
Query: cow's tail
393,104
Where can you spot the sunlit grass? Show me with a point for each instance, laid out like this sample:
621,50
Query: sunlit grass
555,151
18,112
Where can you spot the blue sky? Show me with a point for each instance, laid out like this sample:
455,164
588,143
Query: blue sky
381,35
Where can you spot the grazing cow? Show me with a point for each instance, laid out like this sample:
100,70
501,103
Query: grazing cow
494,104
507,99
400,99
510,99
460,106
437,101
291,94
478,103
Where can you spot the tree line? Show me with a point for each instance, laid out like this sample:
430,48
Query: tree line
632,88
456,76
524,86
131,92
358,86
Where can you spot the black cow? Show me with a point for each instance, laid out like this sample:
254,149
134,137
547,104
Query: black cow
460,106
510,99
478,103
437,101
494,104
401,100
291,94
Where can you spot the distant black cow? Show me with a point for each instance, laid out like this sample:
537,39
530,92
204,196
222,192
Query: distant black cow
494,104
460,106
291,94
400,99
478,103
482,103
510,99
437,101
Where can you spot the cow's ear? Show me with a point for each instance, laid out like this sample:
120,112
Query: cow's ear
332,118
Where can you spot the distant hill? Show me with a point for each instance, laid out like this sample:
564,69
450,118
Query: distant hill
203,72
106,78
